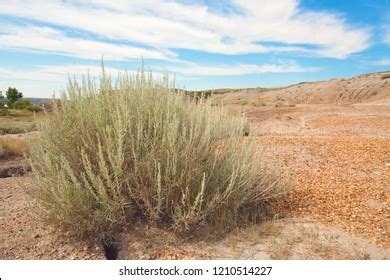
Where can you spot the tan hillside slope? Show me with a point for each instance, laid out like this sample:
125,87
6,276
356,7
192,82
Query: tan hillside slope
368,88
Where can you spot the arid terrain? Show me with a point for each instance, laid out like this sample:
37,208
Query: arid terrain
331,139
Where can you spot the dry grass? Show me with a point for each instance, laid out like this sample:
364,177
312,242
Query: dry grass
13,146
18,121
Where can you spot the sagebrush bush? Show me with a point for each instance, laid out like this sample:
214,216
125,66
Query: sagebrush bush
139,148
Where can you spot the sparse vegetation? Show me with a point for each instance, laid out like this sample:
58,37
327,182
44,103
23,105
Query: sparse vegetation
17,121
13,146
25,104
140,149
16,127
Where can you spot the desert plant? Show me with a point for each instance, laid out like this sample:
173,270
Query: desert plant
385,76
34,108
13,146
25,104
140,148
21,104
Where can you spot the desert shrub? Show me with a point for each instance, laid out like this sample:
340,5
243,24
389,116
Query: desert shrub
21,104
141,149
385,76
13,146
34,108
25,104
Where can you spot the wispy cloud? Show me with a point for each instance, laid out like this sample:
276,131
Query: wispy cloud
44,79
382,62
241,69
167,24
54,73
44,39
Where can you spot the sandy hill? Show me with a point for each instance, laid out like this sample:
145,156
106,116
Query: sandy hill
367,88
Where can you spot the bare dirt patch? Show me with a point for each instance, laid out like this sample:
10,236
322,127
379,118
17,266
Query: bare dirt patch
341,181
24,236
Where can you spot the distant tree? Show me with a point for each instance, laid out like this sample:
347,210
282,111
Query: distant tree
13,95
1,100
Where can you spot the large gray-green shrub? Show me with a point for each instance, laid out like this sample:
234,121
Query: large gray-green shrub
139,148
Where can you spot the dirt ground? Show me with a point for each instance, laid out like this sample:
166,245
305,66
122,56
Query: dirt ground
338,157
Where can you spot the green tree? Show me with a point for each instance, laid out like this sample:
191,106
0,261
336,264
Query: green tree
13,95
1,100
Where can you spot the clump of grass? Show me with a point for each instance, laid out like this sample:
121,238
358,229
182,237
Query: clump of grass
13,146
257,103
141,149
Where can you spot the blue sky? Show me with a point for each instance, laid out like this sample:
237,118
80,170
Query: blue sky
207,44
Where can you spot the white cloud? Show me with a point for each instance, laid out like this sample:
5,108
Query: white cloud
382,62
166,24
54,73
241,69
45,79
45,39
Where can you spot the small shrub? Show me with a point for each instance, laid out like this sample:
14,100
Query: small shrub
25,104
13,146
34,108
141,149
375,92
258,104
21,104
385,76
